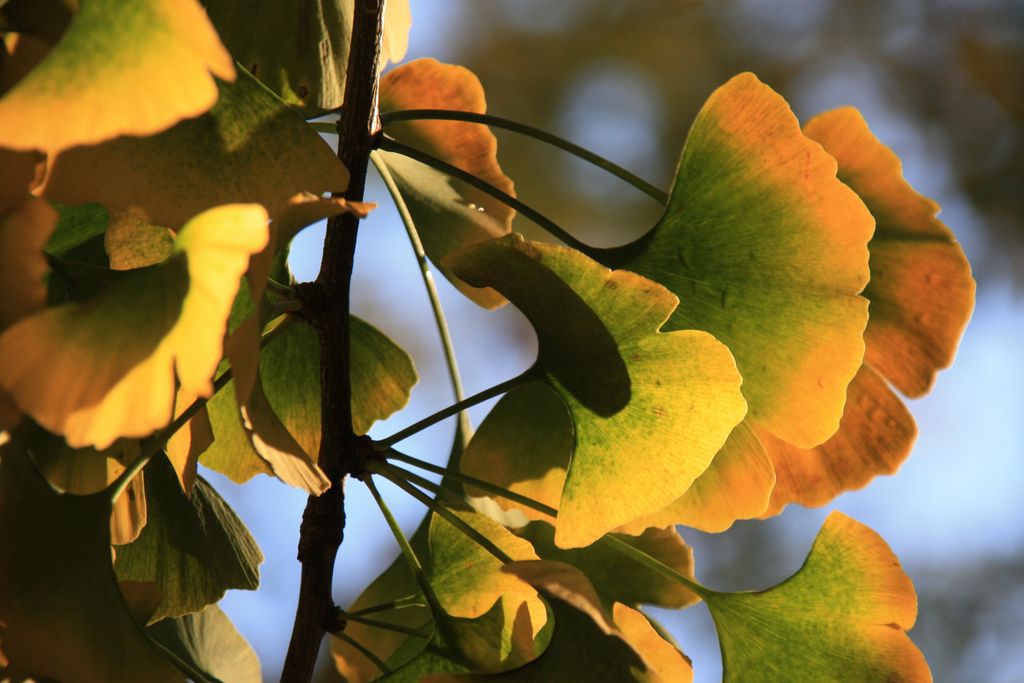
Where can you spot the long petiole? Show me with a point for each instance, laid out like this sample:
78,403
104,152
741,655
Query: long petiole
400,603
157,442
530,131
424,483
389,145
428,282
440,616
364,651
472,481
448,515
652,563
387,626
431,420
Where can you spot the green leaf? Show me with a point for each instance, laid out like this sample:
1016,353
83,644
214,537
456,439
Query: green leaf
249,148
108,76
842,617
106,368
630,389
614,576
194,547
208,643
284,410
301,51
76,225
767,251
449,214
61,612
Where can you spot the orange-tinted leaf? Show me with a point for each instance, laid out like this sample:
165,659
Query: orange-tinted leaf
24,230
122,68
106,369
767,251
842,617
448,213
664,660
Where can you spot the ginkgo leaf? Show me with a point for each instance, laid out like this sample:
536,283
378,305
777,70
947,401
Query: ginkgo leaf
586,645
122,68
449,214
663,659
207,642
76,226
738,485
193,547
106,368
189,441
24,231
87,471
629,388
615,577
20,173
767,251
382,375
921,294
842,617
131,242
61,615
249,148
301,52
20,53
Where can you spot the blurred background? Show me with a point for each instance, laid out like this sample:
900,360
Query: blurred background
940,81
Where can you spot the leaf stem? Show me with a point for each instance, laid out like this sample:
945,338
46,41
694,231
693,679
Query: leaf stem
472,481
386,626
440,616
440,321
430,420
364,651
653,563
447,514
390,145
400,603
515,126
424,483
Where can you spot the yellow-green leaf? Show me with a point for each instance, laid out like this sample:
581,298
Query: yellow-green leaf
449,214
649,409
301,51
842,617
193,547
208,642
105,369
61,612
767,251
123,67
249,148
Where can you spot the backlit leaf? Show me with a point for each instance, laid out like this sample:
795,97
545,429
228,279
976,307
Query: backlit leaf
301,51
131,242
630,389
61,613
208,642
193,547
449,214
663,659
767,251
123,67
106,369
842,617
249,148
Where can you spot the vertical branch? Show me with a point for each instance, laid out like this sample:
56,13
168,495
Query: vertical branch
326,305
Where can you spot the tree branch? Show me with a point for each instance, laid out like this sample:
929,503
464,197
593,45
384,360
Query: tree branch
326,305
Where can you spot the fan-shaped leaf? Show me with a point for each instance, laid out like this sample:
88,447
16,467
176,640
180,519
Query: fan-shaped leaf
123,67
209,643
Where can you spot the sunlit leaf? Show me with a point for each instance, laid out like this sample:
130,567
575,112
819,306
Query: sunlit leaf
61,613
189,441
193,547
842,617
449,214
122,68
664,660
614,576
106,369
208,642
737,485
131,242
249,148
630,389
921,294
767,251
301,51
